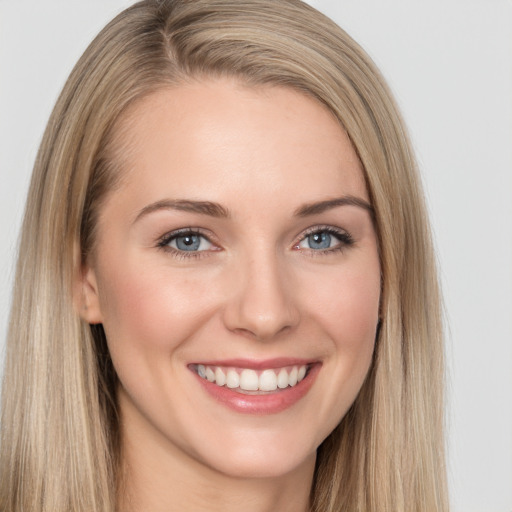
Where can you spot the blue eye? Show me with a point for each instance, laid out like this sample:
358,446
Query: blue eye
327,239
321,240
187,242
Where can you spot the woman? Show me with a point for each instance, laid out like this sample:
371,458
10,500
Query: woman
226,291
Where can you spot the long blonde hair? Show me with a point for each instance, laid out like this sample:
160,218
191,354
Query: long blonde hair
59,437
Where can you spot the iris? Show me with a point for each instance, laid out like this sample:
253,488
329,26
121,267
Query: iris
188,242
321,240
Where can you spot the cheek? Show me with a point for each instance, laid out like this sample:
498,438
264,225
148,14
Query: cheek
150,309
347,305
348,312
343,310
359,305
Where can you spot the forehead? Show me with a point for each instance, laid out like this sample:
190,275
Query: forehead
219,138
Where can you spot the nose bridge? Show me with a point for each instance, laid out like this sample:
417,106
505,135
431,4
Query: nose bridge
262,304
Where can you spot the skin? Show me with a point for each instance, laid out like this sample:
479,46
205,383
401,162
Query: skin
257,291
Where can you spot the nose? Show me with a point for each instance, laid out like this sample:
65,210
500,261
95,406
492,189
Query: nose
262,304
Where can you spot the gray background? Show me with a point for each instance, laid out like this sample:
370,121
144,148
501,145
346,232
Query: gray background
450,65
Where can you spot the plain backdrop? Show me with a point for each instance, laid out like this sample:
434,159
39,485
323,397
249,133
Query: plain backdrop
449,63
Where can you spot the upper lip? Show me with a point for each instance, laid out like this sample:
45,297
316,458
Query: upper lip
278,362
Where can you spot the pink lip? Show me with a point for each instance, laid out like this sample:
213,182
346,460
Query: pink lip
278,362
271,403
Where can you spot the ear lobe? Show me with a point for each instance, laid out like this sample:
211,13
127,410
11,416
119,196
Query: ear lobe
87,298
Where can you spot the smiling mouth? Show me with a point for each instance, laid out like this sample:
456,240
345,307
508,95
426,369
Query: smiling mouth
250,381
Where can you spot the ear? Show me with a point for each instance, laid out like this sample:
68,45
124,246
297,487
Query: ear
86,296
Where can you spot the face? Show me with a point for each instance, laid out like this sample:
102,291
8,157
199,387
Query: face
236,275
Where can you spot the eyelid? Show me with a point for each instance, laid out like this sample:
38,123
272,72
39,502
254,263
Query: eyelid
183,231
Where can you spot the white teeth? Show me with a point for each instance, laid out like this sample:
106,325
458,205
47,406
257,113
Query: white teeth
232,379
292,378
210,375
268,381
248,380
220,377
282,379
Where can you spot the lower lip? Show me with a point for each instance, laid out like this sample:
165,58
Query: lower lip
270,403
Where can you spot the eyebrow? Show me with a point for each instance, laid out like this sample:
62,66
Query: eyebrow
185,205
322,206
216,210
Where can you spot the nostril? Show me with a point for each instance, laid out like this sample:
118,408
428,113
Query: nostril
262,334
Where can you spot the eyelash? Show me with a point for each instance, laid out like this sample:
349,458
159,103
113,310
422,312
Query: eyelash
344,238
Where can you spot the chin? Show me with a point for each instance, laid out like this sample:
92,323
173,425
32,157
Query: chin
259,455
258,465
